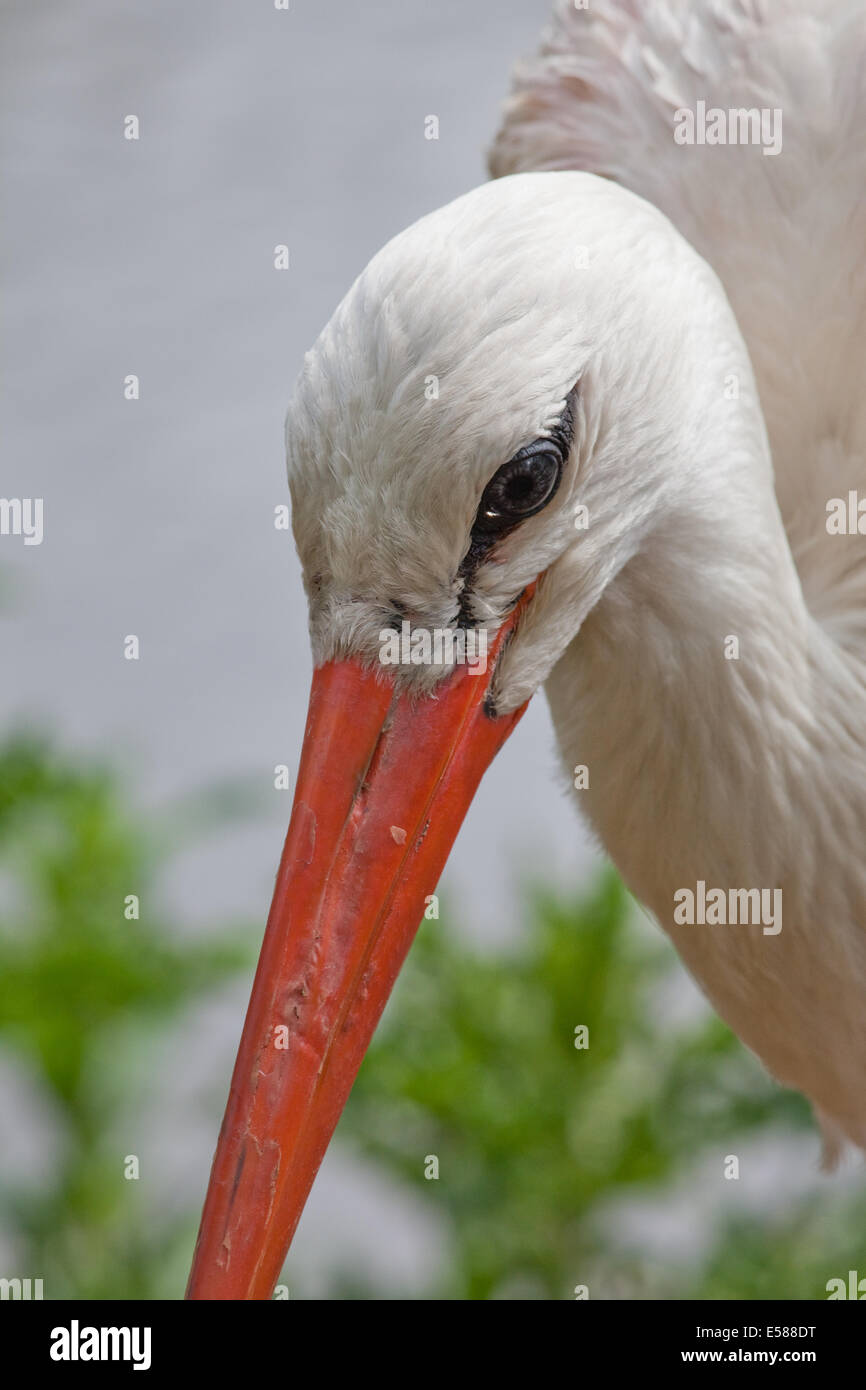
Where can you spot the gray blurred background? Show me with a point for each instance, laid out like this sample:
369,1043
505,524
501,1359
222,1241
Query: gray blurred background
155,257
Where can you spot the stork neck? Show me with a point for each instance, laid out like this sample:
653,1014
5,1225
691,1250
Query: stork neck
700,694
714,770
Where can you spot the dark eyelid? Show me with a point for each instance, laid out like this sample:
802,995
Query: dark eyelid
560,440
483,539
562,433
538,446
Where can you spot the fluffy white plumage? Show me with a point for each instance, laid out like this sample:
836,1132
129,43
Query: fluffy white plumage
741,773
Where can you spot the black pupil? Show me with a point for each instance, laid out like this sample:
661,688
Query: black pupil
521,487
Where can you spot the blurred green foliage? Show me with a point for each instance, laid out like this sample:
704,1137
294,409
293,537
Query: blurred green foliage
539,1143
81,987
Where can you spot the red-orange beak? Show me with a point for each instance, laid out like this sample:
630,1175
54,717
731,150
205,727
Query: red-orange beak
383,785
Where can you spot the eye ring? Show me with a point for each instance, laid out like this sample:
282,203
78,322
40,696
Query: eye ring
520,488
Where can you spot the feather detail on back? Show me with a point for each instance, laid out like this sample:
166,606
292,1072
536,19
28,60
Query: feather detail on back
785,231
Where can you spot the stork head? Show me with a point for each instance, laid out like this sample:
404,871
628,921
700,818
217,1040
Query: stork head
495,377
477,445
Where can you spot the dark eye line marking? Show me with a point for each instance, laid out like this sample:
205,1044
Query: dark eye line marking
481,542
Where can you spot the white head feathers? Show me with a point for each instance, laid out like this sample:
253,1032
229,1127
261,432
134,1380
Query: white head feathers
457,346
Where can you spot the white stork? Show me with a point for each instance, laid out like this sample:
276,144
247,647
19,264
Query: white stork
607,411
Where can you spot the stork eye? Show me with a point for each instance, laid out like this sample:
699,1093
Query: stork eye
521,487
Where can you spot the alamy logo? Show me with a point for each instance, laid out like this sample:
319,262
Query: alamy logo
22,516
732,907
736,126
855,1287
76,1343
846,516
441,646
